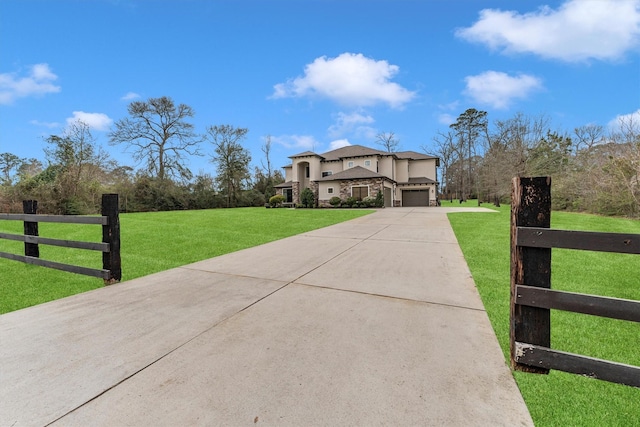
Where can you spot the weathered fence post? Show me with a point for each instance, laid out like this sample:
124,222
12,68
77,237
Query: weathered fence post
530,207
111,235
30,228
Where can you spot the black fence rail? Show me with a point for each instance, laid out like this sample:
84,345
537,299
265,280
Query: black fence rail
111,271
532,297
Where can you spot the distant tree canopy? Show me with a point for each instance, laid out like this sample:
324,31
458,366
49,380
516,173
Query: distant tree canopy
591,171
9,165
231,160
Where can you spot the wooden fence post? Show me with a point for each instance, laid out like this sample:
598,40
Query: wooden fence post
530,207
111,235
30,228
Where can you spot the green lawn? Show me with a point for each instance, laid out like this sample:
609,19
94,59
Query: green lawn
151,242
154,242
561,399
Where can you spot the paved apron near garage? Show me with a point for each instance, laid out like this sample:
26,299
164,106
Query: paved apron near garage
375,321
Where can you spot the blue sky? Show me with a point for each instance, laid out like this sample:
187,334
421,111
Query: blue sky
313,74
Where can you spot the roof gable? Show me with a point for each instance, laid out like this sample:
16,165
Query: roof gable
305,154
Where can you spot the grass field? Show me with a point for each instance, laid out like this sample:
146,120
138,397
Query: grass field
151,242
561,399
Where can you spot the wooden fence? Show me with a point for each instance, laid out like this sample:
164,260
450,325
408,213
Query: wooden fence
532,297
111,270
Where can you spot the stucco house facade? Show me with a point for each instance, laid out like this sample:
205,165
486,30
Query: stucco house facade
405,178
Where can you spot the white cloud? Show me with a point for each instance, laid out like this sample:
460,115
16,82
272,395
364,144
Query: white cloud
349,79
300,142
130,96
49,125
578,30
97,121
499,89
38,81
446,119
353,123
338,143
451,106
628,121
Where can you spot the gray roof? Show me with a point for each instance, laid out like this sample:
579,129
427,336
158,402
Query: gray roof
351,151
284,185
412,155
419,180
305,154
361,151
357,172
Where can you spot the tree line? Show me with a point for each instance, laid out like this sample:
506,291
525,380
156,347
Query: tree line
160,136
594,169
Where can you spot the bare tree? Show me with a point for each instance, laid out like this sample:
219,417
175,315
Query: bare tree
388,141
231,158
9,163
268,172
518,135
588,135
159,134
77,169
29,168
266,150
624,166
446,151
78,155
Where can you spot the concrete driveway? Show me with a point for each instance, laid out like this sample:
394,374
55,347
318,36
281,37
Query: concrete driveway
375,321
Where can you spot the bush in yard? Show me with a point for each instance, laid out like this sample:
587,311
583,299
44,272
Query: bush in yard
367,202
379,202
252,198
307,199
350,201
276,200
335,201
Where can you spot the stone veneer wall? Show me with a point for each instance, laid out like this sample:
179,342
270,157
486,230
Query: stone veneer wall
316,190
375,186
295,193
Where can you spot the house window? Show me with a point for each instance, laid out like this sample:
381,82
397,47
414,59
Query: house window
288,195
327,173
359,192
367,162
350,164
306,171
330,190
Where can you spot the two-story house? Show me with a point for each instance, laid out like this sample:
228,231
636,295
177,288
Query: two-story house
405,178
